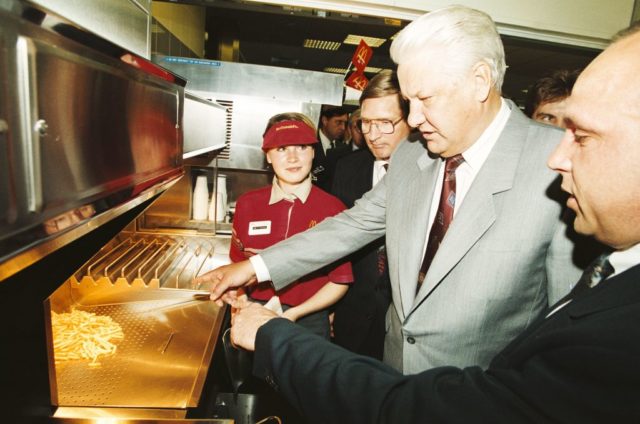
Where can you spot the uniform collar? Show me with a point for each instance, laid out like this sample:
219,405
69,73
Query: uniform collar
301,191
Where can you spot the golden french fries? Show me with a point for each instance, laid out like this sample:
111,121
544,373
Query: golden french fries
83,335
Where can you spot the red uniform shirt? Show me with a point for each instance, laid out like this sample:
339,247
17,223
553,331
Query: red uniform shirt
258,225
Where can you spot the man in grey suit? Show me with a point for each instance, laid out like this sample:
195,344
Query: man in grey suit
505,254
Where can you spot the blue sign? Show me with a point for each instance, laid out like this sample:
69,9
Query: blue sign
190,61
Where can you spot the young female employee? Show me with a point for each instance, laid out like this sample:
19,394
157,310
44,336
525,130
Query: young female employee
291,204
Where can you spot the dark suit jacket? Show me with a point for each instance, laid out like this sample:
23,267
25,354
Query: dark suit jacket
359,323
580,365
324,165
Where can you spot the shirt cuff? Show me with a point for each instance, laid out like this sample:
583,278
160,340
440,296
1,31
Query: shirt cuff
262,272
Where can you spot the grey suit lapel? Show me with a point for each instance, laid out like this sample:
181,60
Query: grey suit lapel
477,213
417,192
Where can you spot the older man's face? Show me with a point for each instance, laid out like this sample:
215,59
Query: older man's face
443,106
599,157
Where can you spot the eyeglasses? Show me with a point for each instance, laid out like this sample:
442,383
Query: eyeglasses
385,126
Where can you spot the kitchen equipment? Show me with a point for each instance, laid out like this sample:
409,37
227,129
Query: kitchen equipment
200,204
90,136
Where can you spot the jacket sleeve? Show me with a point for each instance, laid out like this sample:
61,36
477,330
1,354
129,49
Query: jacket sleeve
330,240
328,384
559,374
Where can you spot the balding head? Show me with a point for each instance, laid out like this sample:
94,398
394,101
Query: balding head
600,155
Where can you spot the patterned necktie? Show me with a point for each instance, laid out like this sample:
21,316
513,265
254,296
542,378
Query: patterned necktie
597,271
444,216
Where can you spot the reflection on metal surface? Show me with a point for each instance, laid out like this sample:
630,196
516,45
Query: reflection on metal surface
82,128
68,219
79,415
123,22
26,90
42,247
144,282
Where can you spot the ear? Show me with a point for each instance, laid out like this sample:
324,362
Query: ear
324,120
482,80
268,158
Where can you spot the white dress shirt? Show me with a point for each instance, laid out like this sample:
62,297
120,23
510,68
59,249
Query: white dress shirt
378,171
324,140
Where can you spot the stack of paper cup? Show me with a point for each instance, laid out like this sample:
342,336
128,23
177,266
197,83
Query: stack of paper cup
218,206
200,200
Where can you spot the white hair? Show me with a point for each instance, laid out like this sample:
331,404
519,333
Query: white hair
471,36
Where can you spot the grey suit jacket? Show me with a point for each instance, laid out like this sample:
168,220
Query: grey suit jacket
505,257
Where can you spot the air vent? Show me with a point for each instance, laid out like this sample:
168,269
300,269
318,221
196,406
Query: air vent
228,104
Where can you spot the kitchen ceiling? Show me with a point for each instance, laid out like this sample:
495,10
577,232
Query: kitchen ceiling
275,36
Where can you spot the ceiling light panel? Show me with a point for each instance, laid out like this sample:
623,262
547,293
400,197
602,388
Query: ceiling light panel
371,41
372,70
321,44
335,70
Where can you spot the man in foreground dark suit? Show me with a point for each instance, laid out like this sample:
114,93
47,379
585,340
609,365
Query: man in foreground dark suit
579,363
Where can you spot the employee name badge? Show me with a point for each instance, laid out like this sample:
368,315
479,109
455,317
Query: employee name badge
257,228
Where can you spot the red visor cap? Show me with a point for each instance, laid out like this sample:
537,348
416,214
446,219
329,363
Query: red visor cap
288,133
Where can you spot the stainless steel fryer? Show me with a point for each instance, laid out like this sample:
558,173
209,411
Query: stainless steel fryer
144,283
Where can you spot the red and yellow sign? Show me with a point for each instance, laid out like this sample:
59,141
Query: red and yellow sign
357,80
362,56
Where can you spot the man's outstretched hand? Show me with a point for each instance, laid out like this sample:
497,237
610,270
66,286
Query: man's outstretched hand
226,279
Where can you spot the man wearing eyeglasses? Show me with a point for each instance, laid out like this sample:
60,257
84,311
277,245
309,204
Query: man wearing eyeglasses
359,316
475,240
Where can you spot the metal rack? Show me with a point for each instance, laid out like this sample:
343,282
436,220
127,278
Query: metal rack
167,261
145,283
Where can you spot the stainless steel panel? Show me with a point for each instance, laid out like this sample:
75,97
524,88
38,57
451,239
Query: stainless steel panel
205,126
122,22
30,141
256,93
83,132
8,208
120,130
280,84
249,120
144,4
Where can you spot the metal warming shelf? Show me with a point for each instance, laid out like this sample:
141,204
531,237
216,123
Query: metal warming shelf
143,282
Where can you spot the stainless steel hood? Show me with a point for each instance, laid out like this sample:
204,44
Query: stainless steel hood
252,94
88,130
